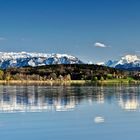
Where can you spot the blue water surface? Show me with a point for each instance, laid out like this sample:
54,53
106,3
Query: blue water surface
70,112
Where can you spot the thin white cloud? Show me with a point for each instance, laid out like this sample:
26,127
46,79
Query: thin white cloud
2,39
137,51
23,39
100,45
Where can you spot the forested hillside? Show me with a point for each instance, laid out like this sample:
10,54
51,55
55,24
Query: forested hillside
63,72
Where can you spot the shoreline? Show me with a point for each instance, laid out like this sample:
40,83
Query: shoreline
70,82
47,82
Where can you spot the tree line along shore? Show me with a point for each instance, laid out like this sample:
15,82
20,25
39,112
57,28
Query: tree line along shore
70,73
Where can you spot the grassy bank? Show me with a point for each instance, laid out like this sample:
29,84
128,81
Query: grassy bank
124,81
70,82
47,82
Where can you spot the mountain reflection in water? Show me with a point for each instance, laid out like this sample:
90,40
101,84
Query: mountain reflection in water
65,98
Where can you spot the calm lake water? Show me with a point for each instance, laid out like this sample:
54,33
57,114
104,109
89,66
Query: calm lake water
70,113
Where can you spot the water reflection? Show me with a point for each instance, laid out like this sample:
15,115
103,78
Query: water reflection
99,119
50,98
129,99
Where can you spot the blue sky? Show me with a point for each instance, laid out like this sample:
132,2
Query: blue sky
93,30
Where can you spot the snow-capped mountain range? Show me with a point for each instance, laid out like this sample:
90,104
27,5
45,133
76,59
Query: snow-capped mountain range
128,62
22,59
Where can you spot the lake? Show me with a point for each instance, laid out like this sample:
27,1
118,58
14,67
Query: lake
70,112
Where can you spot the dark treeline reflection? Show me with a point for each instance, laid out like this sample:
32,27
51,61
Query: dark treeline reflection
65,98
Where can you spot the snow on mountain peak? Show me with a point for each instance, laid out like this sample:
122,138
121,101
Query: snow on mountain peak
21,59
126,62
130,58
101,63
